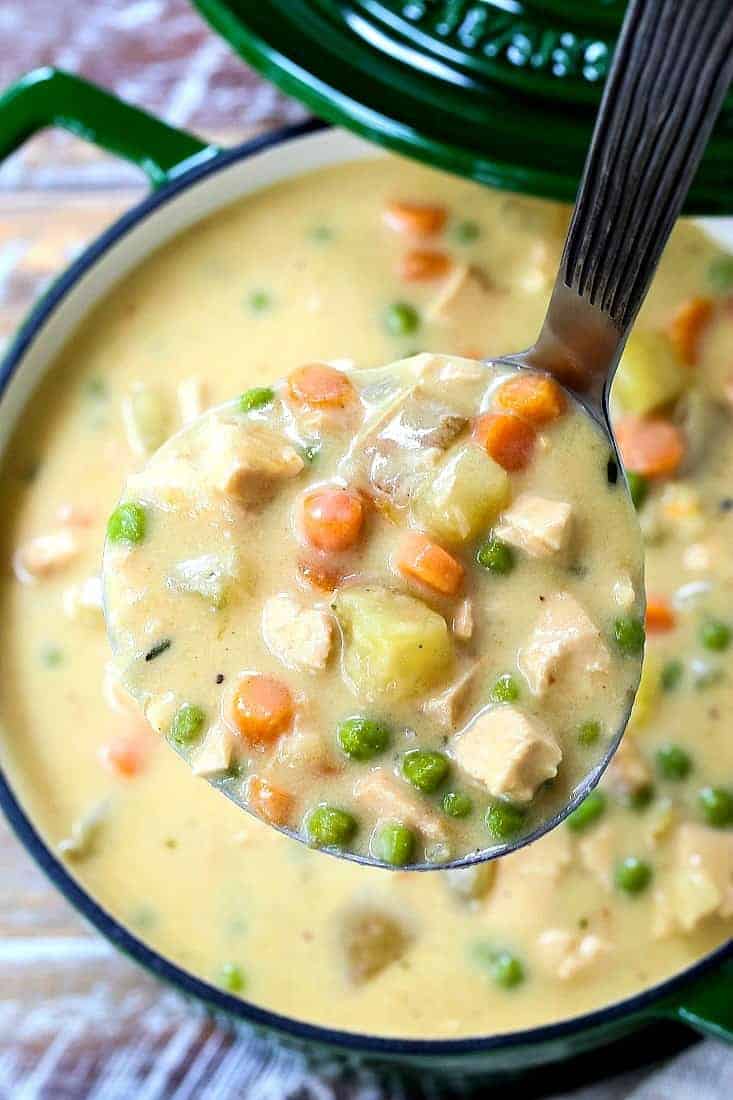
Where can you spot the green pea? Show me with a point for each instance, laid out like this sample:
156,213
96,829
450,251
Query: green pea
52,656
628,632
495,556
321,234
671,675
362,738
505,690
638,488
720,274
633,875
127,523
425,770
506,970
259,301
673,762
456,804
256,398
401,319
232,978
716,804
715,635
589,811
329,827
589,732
467,231
503,820
393,843
187,724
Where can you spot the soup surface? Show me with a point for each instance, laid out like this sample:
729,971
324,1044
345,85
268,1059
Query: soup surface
639,883
397,541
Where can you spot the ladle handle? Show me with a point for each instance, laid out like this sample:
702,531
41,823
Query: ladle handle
671,69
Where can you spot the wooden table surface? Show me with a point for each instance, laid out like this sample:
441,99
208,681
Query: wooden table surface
76,1019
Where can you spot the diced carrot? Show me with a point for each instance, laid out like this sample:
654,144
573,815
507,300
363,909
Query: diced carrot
534,397
423,264
659,615
318,384
261,708
650,445
332,518
508,439
686,328
416,219
319,575
123,756
425,561
269,802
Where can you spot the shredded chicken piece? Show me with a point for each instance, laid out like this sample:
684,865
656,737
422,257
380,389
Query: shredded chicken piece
538,526
463,620
392,800
446,708
216,754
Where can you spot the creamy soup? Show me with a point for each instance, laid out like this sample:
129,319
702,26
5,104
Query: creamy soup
638,884
443,544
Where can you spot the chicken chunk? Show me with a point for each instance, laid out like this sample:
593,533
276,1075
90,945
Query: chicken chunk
247,463
547,859
45,555
566,954
703,876
384,795
215,756
564,642
538,526
511,754
446,708
83,601
300,637
598,852
628,772
305,749
465,295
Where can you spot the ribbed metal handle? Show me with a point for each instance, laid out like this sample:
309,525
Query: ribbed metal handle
672,66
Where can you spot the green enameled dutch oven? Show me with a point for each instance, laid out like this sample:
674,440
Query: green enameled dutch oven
191,180
503,91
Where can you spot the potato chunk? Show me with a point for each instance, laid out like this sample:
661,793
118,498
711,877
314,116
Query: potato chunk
650,374
536,525
394,645
371,940
463,495
300,637
565,642
511,754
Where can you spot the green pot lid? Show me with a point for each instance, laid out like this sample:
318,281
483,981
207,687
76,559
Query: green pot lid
499,90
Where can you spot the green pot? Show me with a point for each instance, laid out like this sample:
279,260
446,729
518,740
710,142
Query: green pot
191,180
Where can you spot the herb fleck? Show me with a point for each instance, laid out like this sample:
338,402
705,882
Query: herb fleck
158,648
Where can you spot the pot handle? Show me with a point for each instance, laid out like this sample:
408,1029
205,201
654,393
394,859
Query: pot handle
707,1006
51,97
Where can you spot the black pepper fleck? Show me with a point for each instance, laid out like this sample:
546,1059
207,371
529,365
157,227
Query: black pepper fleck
220,678
612,471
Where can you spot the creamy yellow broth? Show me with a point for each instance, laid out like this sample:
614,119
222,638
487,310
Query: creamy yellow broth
222,894
391,700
